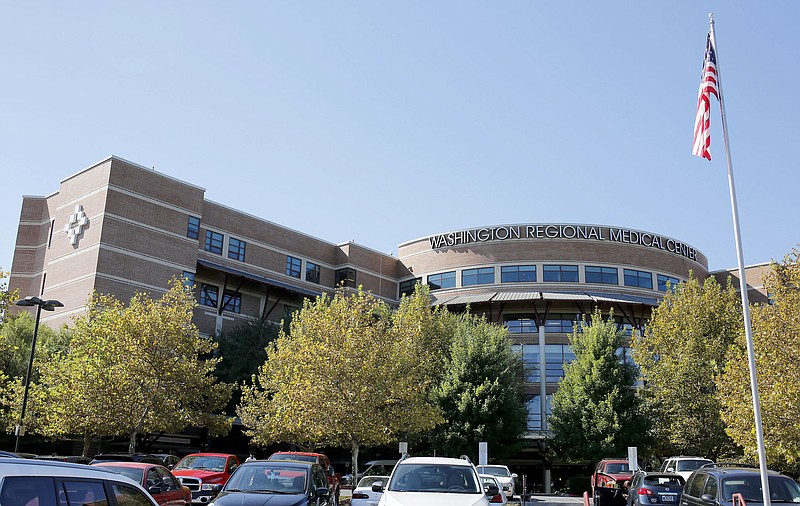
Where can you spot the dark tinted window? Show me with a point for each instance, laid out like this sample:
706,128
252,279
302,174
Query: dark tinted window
84,493
129,496
641,279
695,486
345,277
561,273
21,490
193,228
518,274
607,275
710,487
443,280
482,276
312,272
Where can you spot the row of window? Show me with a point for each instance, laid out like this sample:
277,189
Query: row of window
556,356
550,274
561,323
294,268
231,300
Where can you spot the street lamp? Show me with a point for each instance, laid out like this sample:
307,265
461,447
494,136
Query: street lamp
47,305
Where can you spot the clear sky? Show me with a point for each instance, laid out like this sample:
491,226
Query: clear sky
386,121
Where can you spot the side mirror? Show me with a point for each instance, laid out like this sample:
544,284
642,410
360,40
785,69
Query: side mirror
514,475
155,489
492,490
377,486
670,469
322,491
708,498
216,488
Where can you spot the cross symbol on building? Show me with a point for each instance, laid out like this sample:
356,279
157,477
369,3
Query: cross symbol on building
74,227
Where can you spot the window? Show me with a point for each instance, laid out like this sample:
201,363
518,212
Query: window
561,273
50,239
556,356
85,492
28,490
345,277
663,280
535,411
128,496
214,242
188,279
232,301
293,266
607,275
236,249
520,324
642,279
518,274
408,286
482,276
209,295
312,272
193,228
559,323
443,280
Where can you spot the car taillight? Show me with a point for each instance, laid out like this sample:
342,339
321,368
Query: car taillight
644,491
497,499
360,495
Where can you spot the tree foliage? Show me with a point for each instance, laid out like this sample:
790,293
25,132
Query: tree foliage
349,373
482,392
680,354
129,370
596,411
776,345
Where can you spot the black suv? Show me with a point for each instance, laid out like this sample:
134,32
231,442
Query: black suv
127,457
715,486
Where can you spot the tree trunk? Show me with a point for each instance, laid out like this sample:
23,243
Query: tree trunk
87,443
354,446
132,444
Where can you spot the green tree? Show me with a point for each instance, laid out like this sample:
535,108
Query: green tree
243,351
776,345
679,356
134,369
596,409
482,392
349,373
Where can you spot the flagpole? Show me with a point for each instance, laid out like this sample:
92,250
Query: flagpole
751,360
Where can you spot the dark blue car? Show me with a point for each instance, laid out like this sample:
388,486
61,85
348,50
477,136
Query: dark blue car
280,482
664,489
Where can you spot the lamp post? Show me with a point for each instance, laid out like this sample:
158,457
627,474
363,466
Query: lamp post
47,305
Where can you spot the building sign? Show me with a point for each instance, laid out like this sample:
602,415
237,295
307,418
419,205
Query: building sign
554,231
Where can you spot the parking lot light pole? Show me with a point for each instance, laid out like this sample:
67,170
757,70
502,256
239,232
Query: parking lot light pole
47,305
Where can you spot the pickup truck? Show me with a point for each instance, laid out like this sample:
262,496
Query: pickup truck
334,479
205,474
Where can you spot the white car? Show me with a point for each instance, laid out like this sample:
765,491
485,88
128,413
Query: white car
27,482
364,495
435,481
503,475
499,497
683,465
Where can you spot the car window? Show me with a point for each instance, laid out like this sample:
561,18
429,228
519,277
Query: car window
153,480
27,491
85,493
129,496
664,480
667,464
170,483
711,486
319,479
691,465
617,468
695,486
783,489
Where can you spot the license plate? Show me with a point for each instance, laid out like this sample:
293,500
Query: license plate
668,497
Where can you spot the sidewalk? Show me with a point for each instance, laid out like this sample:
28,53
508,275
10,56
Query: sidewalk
548,500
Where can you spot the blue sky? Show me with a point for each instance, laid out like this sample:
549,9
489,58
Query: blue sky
382,122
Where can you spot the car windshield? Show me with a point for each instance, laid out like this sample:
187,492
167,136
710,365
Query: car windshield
691,465
268,478
617,468
133,473
451,479
781,488
202,462
494,470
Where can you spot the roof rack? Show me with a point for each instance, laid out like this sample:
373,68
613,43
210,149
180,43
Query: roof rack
731,464
464,457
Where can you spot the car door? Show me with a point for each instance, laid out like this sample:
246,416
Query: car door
172,490
693,490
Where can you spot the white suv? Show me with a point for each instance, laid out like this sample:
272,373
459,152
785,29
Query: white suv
25,482
503,475
684,465
434,481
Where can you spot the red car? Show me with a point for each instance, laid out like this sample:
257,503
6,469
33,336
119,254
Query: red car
156,479
608,482
205,473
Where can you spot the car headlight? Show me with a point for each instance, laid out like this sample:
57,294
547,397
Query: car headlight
207,486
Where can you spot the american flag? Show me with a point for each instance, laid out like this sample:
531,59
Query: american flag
708,87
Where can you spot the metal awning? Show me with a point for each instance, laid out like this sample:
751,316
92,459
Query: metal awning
259,279
511,296
473,298
623,299
566,296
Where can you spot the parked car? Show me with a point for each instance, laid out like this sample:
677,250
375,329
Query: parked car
77,459
363,495
374,468
334,479
126,457
684,465
276,483
645,489
155,478
167,459
422,481
489,480
205,473
607,482
10,455
715,486
30,481
503,475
